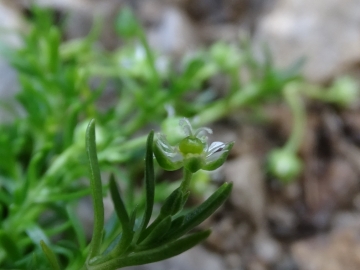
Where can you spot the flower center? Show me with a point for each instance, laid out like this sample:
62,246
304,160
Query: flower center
191,145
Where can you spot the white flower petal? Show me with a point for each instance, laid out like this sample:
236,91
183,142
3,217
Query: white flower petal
202,132
177,157
214,148
215,156
186,126
164,145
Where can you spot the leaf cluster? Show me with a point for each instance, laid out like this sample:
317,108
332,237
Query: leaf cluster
142,243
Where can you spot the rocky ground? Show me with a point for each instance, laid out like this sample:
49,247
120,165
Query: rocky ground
312,223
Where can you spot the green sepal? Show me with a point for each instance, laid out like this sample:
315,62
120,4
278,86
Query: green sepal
157,254
175,202
157,233
194,162
50,256
164,161
214,164
200,213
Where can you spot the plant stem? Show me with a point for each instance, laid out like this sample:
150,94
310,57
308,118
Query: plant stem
150,60
222,107
296,105
185,184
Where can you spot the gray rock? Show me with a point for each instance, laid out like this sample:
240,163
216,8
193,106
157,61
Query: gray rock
327,32
248,193
338,250
8,89
197,258
346,220
172,33
266,248
11,22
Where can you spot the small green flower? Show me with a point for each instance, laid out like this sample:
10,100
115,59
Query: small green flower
192,152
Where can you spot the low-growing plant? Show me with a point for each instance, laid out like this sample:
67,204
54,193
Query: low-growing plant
125,239
43,159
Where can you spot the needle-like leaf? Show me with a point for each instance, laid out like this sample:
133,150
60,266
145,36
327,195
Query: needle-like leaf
157,233
200,213
96,191
119,206
10,247
157,254
149,181
127,233
50,256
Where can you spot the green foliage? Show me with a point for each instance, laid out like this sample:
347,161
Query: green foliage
135,245
43,158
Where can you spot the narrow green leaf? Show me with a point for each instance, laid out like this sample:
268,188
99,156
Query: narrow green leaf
157,233
202,212
32,175
177,223
127,234
53,50
175,202
119,206
115,242
76,225
96,188
172,205
157,254
133,218
71,196
10,247
70,124
50,256
149,181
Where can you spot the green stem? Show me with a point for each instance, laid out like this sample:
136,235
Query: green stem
222,107
150,60
293,98
185,184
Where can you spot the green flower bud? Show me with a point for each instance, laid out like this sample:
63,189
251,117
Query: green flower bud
344,92
284,165
225,55
126,24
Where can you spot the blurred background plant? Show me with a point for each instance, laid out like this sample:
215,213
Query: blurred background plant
65,82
